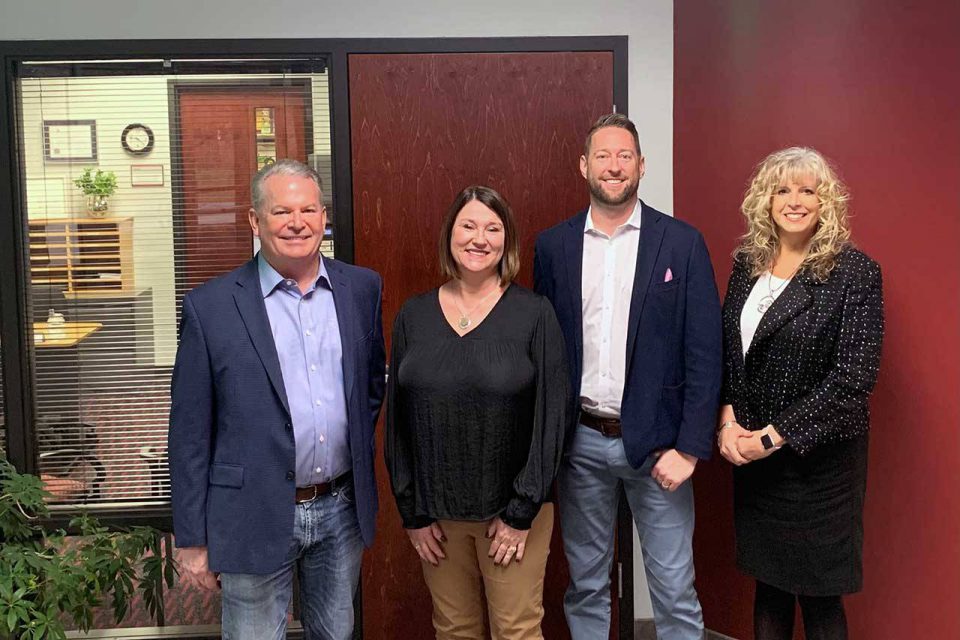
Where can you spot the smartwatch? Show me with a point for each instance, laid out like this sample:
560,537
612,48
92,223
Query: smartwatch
767,442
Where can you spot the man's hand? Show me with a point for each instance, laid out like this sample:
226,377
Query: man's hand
673,468
426,542
194,569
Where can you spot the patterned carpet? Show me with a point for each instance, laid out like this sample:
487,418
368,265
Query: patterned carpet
118,432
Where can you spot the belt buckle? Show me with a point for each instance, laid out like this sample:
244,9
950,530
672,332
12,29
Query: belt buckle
312,498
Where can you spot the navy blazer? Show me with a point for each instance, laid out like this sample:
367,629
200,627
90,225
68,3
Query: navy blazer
673,349
231,442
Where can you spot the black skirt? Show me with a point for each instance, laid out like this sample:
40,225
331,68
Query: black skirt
799,521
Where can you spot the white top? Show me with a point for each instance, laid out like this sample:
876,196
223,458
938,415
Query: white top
767,286
609,263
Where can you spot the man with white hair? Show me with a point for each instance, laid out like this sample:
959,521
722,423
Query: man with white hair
276,390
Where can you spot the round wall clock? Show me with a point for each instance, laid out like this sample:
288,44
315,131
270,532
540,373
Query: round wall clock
137,139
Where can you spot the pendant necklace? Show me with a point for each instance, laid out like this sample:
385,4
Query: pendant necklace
464,320
772,292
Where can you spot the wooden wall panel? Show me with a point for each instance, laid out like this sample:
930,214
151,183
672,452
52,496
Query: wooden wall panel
423,126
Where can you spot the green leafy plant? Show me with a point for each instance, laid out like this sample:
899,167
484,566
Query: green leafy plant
101,183
47,578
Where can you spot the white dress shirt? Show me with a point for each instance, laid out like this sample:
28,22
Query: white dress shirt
609,263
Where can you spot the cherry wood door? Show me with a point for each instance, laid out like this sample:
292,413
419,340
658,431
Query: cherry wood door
424,126
218,151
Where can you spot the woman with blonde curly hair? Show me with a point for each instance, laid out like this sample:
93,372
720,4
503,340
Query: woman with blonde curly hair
803,326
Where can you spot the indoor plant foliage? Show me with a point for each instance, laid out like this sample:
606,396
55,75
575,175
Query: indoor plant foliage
97,187
46,579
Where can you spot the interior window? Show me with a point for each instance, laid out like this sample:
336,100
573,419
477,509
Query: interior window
136,188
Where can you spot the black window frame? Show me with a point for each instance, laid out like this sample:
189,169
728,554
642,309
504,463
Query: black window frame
14,274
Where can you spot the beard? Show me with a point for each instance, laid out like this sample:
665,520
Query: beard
598,194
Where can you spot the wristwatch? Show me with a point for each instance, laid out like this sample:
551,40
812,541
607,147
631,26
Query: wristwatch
767,442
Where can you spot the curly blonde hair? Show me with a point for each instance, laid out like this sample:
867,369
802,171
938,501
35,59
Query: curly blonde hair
760,244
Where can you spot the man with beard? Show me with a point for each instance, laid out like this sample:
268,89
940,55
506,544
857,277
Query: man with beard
635,295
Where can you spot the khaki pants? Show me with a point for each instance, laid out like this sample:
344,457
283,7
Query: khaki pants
514,593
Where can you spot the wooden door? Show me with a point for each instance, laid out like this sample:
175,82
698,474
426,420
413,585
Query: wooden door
423,126
219,140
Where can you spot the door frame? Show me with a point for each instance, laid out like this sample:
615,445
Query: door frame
185,56
340,105
180,56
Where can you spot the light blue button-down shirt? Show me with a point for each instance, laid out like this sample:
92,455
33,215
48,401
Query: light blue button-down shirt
307,337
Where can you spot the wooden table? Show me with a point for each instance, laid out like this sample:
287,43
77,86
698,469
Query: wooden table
58,371
73,332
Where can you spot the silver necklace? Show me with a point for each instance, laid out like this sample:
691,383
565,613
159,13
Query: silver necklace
772,292
464,320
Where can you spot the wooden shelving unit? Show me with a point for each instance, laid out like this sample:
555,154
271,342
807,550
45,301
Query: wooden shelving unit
82,254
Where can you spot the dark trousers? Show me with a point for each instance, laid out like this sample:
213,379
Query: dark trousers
774,610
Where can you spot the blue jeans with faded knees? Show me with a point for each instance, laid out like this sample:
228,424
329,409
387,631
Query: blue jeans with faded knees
326,549
588,488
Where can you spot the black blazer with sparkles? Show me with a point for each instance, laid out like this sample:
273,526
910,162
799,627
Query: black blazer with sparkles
814,359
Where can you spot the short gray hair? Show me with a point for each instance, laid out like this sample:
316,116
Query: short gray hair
284,167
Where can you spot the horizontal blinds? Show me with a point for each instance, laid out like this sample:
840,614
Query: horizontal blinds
107,279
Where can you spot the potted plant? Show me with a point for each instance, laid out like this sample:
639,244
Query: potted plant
47,579
97,187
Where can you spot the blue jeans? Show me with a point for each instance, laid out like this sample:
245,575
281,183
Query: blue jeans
588,487
326,549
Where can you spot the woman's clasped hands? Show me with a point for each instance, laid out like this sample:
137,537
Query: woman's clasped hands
740,446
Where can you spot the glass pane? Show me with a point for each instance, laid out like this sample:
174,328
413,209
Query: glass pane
146,198
265,134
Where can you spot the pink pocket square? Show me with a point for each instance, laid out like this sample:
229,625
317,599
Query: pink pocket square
668,276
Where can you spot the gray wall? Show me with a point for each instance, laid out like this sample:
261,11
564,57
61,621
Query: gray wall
648,23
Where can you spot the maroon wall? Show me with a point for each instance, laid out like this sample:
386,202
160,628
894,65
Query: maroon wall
875,87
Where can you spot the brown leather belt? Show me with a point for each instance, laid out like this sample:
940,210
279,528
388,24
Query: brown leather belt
609,427
314,491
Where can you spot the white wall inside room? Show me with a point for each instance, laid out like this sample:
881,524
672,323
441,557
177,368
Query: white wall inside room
112,103
647,23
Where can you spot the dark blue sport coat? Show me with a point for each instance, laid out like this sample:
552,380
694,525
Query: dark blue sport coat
673,350
231,442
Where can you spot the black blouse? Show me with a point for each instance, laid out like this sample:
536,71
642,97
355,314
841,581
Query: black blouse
475,424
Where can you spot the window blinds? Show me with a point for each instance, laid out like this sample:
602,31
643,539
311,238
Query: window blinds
136,188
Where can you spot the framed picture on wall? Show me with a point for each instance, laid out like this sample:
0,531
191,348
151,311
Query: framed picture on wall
70,140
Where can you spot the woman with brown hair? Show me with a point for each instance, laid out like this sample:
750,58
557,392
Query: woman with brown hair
478,405
803,326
